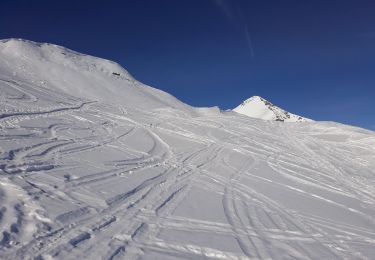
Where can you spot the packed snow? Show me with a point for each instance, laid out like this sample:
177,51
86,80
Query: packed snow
96,165
258,107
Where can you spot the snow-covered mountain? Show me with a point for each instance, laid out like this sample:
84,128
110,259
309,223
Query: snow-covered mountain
258,107
96,165
59,69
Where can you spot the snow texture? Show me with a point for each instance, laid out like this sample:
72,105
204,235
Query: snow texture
258,107
96,165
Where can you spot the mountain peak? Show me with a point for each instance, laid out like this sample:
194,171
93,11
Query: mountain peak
261,108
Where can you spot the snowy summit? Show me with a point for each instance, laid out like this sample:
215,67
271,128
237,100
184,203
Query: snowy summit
258,107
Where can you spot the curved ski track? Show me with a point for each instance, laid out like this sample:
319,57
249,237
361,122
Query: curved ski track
94,181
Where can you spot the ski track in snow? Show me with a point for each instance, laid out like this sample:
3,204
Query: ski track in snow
84,179
96,217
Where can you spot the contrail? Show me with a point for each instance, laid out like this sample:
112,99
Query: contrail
233,13
226,9
246,29
249,42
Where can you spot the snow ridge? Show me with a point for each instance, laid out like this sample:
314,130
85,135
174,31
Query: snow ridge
258,107
59,69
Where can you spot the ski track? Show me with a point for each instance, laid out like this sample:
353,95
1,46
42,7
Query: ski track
124,182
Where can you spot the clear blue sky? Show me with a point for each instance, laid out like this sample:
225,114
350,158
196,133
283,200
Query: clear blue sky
314,58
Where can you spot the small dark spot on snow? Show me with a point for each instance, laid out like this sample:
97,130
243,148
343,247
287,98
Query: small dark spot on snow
14,228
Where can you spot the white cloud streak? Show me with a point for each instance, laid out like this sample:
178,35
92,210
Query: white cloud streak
234,14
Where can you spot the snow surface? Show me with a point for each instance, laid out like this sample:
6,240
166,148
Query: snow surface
258,107
95,165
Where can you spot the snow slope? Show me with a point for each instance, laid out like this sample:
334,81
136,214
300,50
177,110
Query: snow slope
87,175
258,107
59,69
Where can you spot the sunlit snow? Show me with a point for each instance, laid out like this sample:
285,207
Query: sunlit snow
96,165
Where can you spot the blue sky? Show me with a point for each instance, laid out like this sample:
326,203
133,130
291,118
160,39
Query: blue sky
314,58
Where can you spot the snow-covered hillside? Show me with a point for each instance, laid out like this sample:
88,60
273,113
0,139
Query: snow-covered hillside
95,165
258,107
56,68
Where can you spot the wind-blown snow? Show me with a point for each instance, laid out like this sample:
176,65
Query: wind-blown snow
95,165
258,107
